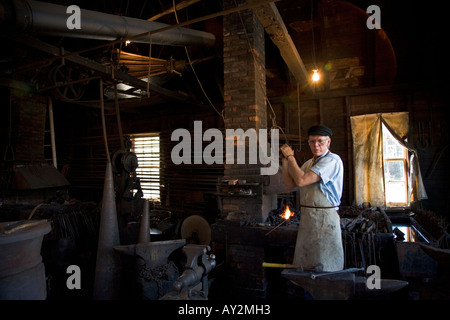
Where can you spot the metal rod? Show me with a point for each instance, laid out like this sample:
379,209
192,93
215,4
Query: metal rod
349,270
279,225
52,131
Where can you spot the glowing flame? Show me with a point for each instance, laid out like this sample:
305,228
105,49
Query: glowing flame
287,214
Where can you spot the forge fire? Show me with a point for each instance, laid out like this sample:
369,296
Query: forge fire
280,215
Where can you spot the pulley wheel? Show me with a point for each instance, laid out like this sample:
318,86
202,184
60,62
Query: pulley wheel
129,161
116,161
124,161
196,230
69,82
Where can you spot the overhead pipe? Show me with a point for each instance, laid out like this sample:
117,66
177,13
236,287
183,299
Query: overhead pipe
41,18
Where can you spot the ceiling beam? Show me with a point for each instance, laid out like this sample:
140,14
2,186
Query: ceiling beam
272,22
179,6
105,71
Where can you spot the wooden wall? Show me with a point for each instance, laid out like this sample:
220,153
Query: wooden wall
187,189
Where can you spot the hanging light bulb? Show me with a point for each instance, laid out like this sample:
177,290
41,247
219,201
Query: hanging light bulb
316,75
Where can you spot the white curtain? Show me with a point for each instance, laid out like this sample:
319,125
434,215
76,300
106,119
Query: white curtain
368,156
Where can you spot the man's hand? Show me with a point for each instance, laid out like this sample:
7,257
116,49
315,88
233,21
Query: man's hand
286,150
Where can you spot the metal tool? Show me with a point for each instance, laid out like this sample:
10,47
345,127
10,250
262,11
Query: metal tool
349,270
153,258
193,283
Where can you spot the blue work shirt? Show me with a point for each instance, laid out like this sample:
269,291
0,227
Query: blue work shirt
330,169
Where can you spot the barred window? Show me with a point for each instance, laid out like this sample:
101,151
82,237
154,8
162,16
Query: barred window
147,149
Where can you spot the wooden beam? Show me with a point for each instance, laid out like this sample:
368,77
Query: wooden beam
272,22
179,6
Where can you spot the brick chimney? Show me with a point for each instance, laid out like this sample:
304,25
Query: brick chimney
34,179
28,130
245,108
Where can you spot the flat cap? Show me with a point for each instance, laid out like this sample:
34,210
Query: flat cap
320,130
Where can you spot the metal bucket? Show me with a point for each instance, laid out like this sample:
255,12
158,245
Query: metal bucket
22,273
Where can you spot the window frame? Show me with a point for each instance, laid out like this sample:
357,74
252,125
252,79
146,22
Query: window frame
150,180
405,161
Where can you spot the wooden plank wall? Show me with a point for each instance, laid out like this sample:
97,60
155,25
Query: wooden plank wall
186,189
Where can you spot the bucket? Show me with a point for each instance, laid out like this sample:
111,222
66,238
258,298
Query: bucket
22,273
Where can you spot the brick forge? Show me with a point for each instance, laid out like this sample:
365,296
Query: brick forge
242,247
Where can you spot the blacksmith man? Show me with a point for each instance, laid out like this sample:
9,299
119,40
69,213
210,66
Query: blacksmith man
320,180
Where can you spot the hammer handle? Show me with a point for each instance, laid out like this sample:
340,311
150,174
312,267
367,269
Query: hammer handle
279,265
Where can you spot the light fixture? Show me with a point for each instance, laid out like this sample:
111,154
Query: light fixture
316,75
127,42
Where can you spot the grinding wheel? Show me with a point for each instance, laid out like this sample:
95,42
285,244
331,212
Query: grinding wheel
196,230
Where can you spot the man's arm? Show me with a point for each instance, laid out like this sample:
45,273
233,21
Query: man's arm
298,176
293,175
289,184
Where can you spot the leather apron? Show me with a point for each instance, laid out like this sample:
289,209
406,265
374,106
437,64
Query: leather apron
319,238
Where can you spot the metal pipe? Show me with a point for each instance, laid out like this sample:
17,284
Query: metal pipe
50,19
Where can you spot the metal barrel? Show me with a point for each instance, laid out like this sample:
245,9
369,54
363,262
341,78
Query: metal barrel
22,273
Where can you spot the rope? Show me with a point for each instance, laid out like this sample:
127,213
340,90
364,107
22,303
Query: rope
193,70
